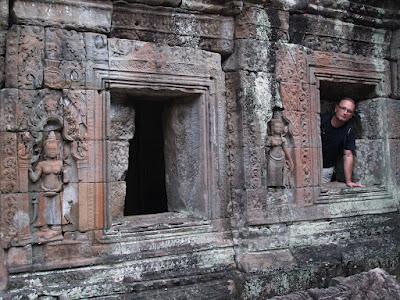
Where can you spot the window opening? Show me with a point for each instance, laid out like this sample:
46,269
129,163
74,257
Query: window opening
330,93
145,179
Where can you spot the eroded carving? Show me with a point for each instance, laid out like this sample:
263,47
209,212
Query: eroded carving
47,209
280,165
8,163
75,123
24,59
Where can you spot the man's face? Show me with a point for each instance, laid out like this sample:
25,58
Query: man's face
344,110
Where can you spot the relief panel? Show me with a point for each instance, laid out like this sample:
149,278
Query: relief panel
24,57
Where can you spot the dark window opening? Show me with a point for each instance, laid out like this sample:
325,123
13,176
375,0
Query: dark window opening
145,180
330,94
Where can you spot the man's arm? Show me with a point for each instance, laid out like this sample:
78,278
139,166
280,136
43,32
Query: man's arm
348,163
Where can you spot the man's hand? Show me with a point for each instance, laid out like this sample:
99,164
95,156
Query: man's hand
354,184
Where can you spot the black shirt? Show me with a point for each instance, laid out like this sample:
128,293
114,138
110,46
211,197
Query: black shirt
335,140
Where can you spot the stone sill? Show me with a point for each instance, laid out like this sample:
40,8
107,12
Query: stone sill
150,226
337,203
338,192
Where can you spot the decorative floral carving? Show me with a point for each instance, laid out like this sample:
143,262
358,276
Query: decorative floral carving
8,163
75,123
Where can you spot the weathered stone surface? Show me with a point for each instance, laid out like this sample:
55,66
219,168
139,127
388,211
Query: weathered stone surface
118,156
3,35
4,14
3,270
96,46
208,32
291,63
253,55
183,158
117,197
325,34
374,284
394,150
2,75
122,122
15,225
64,44
393,121
64,74
93,16
24,57
261,23
143,57
8,163
373,127
370,166
19,256
91,206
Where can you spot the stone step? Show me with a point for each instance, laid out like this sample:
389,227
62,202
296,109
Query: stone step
127,277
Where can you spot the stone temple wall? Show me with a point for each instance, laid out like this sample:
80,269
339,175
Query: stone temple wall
83,83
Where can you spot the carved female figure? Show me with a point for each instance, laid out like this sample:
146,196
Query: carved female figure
278,156
49,171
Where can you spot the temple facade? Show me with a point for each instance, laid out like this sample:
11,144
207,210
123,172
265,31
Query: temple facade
171,149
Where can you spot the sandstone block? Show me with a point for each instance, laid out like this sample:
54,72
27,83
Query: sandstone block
393,121
371,125
64,44
122,122
19,256
65,74
3,35
262,24
93,16
118,158
295,96
117,199
252,55
143,57
257,261
8,111
394,150
307,166
3,270
8,161
24,57
91,205
4,13
300,128
83,115
91,168
208,32
291,63
15,223
329,35
2,74
369,167
96,46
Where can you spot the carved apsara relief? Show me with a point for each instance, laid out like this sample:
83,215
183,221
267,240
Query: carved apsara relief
280,165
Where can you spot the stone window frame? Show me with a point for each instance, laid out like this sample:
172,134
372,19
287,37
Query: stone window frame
346,69
208,86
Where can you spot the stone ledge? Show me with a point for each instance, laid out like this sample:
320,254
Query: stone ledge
94,15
